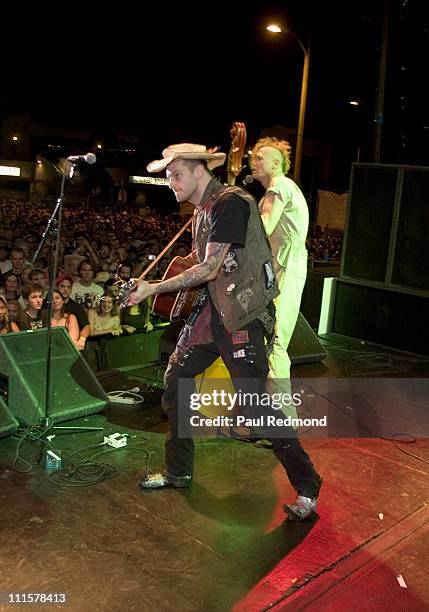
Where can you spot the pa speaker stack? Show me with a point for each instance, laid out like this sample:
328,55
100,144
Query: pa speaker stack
382,294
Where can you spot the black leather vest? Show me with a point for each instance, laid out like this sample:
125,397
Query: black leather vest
245,283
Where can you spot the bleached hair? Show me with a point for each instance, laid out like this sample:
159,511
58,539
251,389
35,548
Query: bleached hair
281,145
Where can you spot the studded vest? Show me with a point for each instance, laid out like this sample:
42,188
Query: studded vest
245,283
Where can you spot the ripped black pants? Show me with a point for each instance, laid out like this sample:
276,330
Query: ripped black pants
244,355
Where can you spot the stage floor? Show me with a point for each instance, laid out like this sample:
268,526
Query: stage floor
224,544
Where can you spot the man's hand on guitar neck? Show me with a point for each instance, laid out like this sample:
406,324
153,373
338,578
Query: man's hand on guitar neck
143,291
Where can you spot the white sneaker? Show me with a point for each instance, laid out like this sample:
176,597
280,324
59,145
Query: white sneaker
159,481
301,508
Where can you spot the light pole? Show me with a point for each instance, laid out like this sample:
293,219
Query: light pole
303,101
379,119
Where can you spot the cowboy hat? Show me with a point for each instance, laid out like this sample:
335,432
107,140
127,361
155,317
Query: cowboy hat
187,151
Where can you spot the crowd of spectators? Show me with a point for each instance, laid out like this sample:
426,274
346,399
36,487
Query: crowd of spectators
324,245
95,247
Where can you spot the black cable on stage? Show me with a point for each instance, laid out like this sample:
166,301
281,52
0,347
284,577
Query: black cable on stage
87,471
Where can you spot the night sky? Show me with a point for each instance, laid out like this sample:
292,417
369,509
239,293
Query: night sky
106,70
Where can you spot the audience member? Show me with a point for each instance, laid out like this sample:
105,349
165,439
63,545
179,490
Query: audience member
33,318
11,285
71,265
64,286
38,276
16,263
105,319
64,319
84,249
14,310
6,325
25,274
85,291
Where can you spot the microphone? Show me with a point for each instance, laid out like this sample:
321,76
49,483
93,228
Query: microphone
89,158
248,179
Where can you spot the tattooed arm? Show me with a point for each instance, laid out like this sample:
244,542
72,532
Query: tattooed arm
201,273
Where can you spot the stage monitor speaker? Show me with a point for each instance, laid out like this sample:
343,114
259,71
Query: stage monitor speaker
386,239
139,349
304,346
75,392
384,316
8,424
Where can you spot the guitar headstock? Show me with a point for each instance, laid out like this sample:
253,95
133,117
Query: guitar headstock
126,288
236,152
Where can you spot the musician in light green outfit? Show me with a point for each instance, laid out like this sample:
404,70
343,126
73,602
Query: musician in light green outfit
284,214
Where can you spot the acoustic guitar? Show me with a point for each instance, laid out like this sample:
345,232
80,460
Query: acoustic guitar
174,306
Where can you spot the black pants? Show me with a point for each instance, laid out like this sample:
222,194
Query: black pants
246,360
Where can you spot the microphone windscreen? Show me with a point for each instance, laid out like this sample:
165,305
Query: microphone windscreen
90,158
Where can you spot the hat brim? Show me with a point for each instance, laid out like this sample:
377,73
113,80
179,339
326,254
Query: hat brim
214,160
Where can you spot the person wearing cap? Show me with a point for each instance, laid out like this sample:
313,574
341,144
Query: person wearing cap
233,319
64,286
71,265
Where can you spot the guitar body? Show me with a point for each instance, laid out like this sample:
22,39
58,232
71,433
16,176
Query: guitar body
174,306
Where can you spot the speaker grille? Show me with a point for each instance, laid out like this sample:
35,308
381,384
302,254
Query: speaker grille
74,389
392,318
411,260
371,204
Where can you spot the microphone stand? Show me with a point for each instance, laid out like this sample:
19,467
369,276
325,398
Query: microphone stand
53,232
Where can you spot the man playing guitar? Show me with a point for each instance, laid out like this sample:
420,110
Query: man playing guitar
234,265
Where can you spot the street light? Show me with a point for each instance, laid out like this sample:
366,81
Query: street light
15,140
276,29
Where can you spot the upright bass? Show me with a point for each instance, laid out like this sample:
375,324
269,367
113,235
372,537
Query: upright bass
236,152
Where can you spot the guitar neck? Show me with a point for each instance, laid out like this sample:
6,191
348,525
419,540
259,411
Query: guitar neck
164,250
